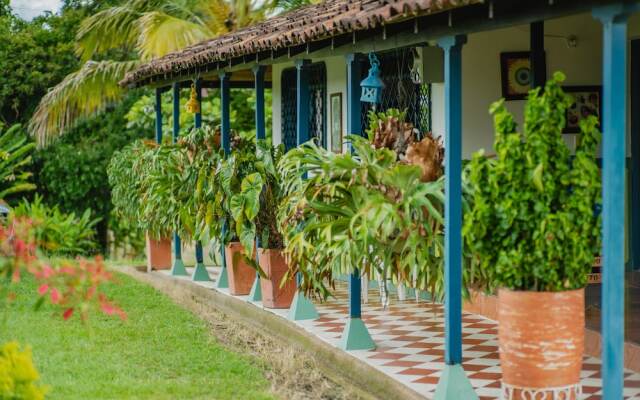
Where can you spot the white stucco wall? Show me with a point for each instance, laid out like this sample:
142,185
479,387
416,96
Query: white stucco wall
481,73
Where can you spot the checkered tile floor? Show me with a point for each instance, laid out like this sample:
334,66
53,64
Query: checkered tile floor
410,340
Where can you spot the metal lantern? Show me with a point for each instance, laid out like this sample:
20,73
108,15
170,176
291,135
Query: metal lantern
372,85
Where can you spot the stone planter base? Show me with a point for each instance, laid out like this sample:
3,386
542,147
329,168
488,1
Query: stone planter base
158,253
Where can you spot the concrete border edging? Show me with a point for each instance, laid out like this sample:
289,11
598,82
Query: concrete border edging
333,362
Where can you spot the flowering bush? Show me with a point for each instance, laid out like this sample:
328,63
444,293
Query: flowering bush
18,375
68,284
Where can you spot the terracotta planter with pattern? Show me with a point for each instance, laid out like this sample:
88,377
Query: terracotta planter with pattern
241,275
274,265
541,337
158,253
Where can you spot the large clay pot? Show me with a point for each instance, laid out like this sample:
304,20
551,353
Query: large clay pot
275,267
541,336
158,253
241,275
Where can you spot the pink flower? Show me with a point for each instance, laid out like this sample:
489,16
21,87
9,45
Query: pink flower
67,314
44,288
55,296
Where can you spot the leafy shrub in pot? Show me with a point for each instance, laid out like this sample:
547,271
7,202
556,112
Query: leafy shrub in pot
533,233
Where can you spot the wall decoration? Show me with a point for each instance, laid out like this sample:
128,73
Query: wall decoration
515,68
336,122
588,101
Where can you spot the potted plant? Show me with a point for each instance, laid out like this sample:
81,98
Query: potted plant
533,234
371,210
227,184
255,214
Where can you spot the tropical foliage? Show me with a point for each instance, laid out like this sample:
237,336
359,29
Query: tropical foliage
255,207
58,233
532,225
15,157
364,211
114,40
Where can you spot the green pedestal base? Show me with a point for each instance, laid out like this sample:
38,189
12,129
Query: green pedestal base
223,279
343,278
302,308
454,385
178,268
424,295
256,291
356,336
200,274
373,285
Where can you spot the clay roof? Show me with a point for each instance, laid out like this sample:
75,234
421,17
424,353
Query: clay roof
298,27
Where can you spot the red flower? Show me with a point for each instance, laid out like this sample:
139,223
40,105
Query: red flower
67,314
44,288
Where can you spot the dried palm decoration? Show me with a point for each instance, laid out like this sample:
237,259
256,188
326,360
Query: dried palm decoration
428,154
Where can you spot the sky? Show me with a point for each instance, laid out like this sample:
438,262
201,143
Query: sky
28,9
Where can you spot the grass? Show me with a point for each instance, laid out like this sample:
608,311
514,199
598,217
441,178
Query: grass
161,352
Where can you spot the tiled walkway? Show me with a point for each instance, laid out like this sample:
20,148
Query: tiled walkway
410,340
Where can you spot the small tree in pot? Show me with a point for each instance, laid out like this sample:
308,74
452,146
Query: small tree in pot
534,233
255,211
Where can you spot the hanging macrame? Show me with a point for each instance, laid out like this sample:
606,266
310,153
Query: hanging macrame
193,105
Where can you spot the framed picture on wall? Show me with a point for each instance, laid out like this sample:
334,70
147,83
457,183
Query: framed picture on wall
587,101
336,122
515,74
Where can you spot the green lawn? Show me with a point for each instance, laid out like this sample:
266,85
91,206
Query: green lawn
160,352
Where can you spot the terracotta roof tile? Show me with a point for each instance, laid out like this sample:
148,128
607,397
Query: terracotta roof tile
298,27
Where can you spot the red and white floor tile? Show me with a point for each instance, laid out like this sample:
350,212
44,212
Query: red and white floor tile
410,344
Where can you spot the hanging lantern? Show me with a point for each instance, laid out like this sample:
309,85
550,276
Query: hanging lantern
193,105
372,85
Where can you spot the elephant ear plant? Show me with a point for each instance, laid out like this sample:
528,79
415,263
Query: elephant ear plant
534,232
255,207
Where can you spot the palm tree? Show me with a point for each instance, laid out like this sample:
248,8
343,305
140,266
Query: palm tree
137,31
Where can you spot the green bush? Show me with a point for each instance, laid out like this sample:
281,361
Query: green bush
532,225
15,156
18,376
60,234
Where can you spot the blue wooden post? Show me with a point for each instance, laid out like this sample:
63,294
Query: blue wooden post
301,307
158,108
258,72
225,122
200,273
634,244
614,106
177,269
453,383
355,335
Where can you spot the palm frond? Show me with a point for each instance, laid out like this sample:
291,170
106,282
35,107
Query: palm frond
161,33
215,15
80,94
108,29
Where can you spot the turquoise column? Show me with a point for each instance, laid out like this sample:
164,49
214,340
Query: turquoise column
614,124
301,307
200,273
177,269
355,335
158,110
453,383
225,122
258,72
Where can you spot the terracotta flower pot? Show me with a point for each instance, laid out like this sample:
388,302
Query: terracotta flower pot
275,267
241,275
158,253
541,336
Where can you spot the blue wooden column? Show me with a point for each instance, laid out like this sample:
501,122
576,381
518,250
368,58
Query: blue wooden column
225,139
634,243
355,335
200,273
301,307
177,269
614,129
453,383
158,109
258,71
